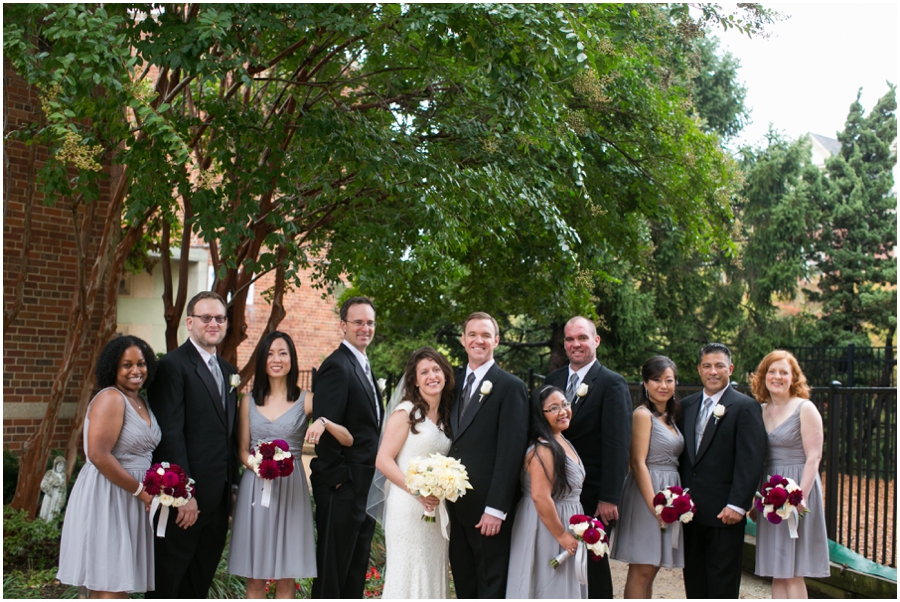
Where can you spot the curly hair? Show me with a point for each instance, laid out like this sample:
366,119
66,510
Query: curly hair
261,380
654,368
108,362
541,434
420,406
799,386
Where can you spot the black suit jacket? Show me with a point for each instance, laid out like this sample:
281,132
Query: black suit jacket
490,441
343,396
727,467
198,434
600,431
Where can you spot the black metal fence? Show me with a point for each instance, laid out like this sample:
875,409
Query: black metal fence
851,365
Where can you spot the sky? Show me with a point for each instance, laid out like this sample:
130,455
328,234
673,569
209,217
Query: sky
805,76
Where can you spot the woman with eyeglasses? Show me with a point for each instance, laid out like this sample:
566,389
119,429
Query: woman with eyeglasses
276,542
641,537
551,490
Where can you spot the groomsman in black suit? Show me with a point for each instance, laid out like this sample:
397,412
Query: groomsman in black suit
722,462
346,393
490,433
600,431
195,403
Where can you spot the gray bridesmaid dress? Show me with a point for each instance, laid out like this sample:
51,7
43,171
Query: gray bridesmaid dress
638,539
777,555
275,542
532,546
107,541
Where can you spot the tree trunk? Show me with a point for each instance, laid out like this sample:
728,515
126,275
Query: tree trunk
10,315
174,308
276,315
558,357
37,449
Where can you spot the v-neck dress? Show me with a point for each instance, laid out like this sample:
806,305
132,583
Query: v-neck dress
637,539
275,542
777,555
107,541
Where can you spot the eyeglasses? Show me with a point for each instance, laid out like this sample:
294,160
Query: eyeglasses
558,409
208,319
360,323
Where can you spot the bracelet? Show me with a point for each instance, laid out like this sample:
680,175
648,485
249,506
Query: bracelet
322,420
139,490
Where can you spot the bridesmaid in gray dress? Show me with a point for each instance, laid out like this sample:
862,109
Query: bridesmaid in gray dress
551,487
276,542
656,443
794,450
107,541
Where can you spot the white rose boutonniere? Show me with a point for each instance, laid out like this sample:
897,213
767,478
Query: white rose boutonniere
235,381
582,390
718,412
486,388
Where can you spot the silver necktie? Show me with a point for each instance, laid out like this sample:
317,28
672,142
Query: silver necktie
217,375
570,390
702,419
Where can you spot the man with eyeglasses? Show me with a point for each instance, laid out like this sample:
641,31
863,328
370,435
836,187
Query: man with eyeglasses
195,403
600,431
346,393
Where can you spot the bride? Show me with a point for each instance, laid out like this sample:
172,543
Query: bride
417,562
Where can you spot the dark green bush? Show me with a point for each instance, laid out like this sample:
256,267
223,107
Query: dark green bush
10,475
29,545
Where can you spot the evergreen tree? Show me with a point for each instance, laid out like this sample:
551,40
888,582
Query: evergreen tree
858,230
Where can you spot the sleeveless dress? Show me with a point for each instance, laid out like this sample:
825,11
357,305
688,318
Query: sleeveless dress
417,554
532,546
638,539
275,542
777,555
107,541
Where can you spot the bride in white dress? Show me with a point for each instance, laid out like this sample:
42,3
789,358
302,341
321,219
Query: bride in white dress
417,552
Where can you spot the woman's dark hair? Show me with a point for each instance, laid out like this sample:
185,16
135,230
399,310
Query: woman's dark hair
420,406
542,435
261,380
108,362
654,368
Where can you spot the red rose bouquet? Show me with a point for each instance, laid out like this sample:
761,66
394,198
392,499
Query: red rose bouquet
170,487
270,460
780,500
592,534
674,504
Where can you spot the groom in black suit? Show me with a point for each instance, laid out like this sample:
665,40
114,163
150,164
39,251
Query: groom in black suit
600,431
490,432
346,393
722,462
195,403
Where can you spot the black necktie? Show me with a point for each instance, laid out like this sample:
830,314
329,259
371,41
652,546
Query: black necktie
467,394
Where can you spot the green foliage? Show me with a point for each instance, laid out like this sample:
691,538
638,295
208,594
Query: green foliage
718,95
29,544
41,584
858,228
10,474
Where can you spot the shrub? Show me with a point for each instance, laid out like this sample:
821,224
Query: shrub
29,545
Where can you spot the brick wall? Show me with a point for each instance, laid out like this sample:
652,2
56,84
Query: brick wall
33,344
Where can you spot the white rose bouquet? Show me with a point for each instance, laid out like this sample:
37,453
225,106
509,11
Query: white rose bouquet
444,478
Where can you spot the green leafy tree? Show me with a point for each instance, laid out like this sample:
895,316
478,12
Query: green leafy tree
858,229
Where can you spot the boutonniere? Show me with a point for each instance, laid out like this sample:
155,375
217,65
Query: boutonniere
486,388
235,381
582,390
382,383
718,412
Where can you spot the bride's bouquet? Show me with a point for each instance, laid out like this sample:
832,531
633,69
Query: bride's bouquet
170,487
270,460
444,478
780,500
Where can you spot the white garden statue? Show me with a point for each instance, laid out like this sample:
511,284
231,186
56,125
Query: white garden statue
54,487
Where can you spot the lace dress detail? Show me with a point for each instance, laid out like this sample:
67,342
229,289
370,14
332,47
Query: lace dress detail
417,554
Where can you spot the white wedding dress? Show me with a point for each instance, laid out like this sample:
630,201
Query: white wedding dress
417,554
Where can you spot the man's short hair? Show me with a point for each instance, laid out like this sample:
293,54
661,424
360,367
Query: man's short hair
200,297
480,315
346,305
714,348
589,321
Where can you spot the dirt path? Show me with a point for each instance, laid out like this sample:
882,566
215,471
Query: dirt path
670,585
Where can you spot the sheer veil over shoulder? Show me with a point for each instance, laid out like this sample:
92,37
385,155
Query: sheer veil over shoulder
378,490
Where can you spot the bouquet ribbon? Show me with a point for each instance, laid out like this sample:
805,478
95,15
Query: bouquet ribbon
163,516
676,532
581,564
266,493
792,521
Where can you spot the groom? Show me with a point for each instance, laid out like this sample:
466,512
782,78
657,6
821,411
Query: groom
722,462
346,393
490,432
